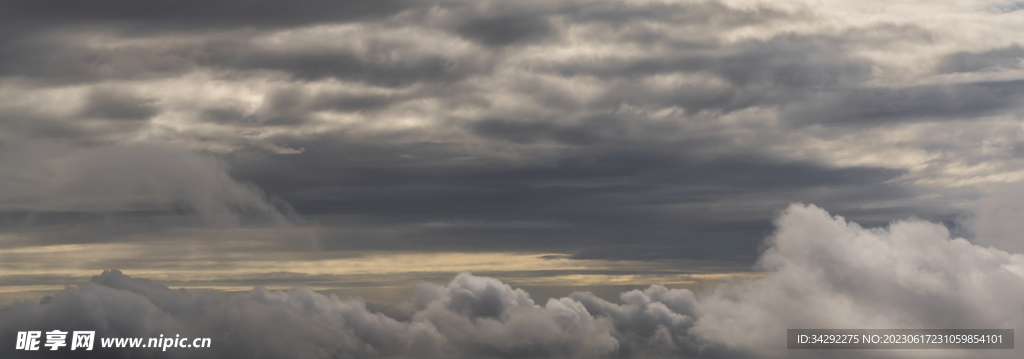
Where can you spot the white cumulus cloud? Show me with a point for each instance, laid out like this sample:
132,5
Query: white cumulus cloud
823,272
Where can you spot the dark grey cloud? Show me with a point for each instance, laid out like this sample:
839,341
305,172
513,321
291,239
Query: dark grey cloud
230,116
588,131
115,105
293,106
63,58
1007,57
375,68
49,55
786,61
506,29
34,38
686,14
790,71
928,102
345,102
613,201
181,14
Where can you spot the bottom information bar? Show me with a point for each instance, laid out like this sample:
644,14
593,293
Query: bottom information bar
899,338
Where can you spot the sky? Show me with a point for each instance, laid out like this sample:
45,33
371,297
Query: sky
514,179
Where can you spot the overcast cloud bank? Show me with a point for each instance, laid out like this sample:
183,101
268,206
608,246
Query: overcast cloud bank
678,126
180,132
823,272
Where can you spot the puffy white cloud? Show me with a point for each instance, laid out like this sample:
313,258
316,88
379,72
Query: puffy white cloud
471,317
823,272
830,273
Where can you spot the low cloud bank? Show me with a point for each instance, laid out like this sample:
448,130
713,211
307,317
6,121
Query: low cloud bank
139,178
824,272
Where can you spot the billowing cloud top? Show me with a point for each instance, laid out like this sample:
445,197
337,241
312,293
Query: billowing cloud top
824,272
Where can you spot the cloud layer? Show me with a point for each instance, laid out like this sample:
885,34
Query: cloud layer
186,140
678,126
823,272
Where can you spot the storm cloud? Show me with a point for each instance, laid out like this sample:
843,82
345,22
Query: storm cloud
557,145
582,114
